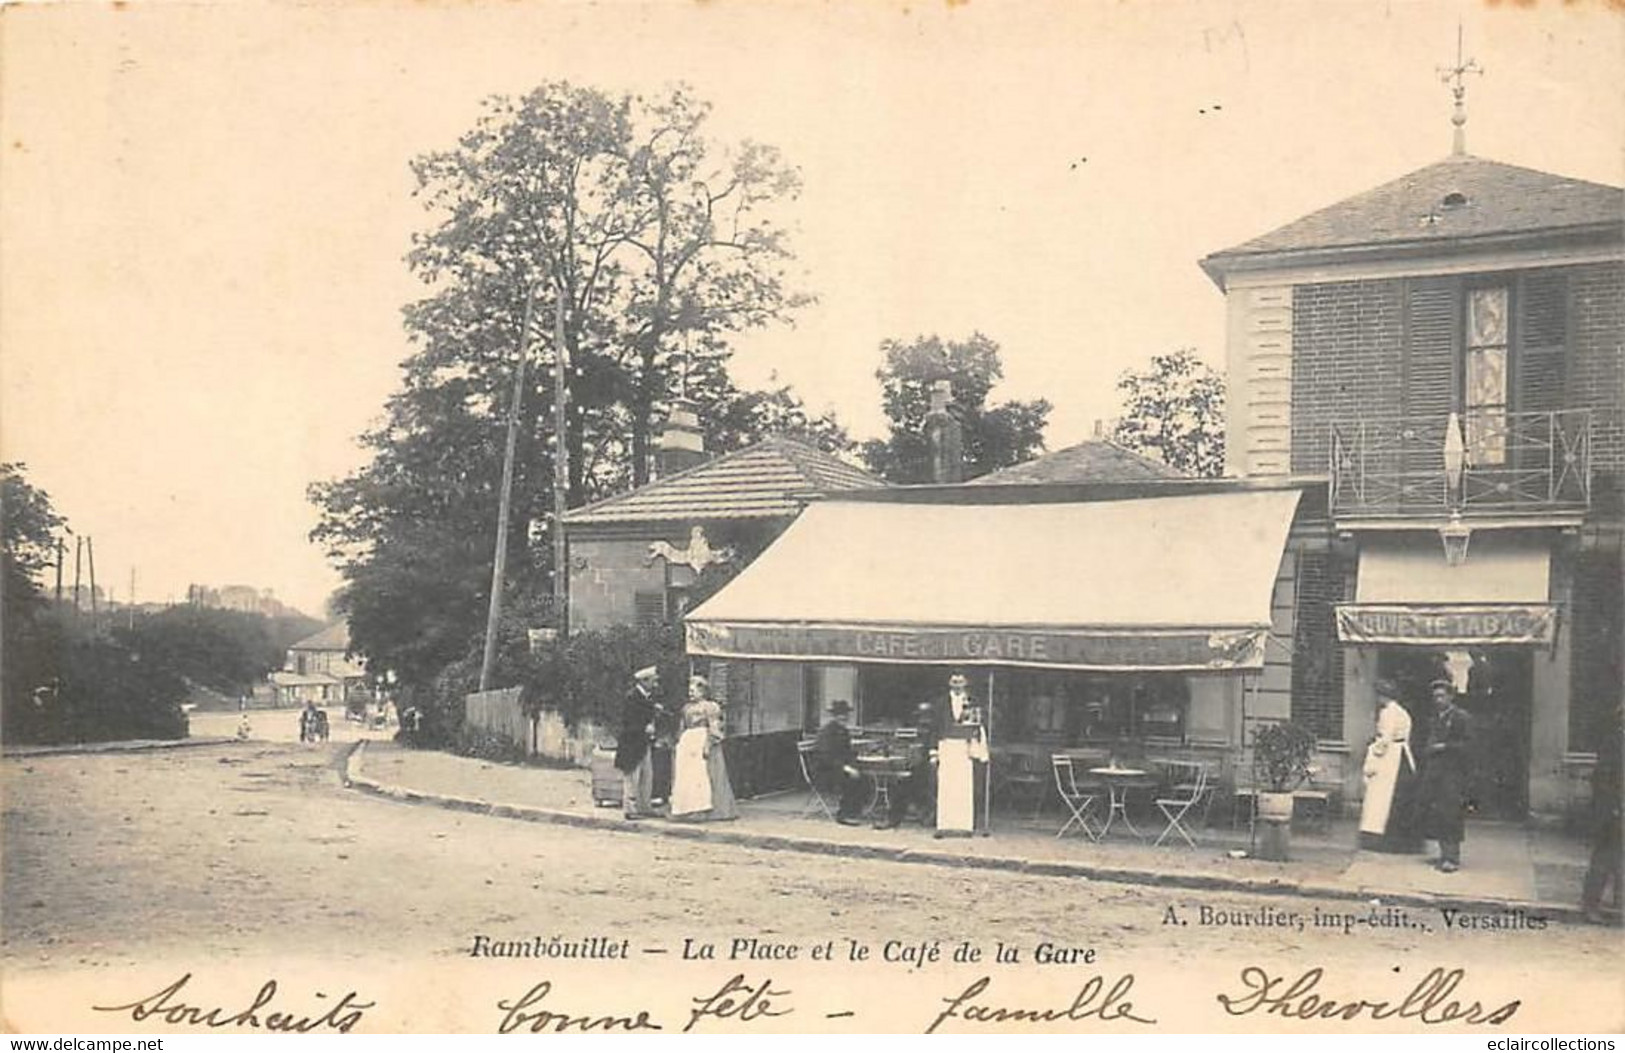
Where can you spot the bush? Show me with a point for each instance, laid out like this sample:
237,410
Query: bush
585,677
1281,756
67,683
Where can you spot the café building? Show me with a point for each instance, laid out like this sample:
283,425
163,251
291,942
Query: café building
1151,619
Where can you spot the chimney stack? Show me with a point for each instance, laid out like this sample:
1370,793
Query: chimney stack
682,443
943,436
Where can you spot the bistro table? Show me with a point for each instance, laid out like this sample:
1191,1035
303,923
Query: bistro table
884,772
1119,781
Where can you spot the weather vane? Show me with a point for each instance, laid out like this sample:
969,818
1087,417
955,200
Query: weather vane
1455,76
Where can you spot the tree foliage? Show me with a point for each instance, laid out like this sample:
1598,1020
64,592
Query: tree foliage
994,436
1174,411
228,651
637,247
62,678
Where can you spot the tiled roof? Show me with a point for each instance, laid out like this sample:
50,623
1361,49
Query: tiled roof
335,637
1087,462
1497,199
759,482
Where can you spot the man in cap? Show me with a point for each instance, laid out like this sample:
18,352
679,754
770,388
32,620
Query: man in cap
1444,776
836,763
640,714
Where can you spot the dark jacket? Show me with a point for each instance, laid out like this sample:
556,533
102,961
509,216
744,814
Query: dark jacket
833,749
638,711
1444,774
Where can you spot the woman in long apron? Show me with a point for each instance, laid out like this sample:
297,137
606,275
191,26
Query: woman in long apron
700,787
1387,813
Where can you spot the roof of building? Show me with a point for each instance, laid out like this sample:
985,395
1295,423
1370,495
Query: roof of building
335,637
1461,197
761,481
1093,461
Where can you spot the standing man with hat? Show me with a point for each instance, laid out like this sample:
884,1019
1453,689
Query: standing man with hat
1444,776
640,715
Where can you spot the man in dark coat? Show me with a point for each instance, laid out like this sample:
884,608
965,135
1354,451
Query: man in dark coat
836,763
1444,778
641,715
916,788
1605,820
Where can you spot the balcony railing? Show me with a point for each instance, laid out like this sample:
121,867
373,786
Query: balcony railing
1515,463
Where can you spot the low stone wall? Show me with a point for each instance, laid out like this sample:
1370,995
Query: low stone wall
557,741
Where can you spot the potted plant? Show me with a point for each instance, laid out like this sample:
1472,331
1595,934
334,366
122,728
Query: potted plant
1281,756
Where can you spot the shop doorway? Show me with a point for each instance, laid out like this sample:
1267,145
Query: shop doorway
1495,686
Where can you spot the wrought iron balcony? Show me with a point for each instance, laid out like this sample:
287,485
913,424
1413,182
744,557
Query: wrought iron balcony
1515,463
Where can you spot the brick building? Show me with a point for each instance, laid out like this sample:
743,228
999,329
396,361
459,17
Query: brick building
1443,353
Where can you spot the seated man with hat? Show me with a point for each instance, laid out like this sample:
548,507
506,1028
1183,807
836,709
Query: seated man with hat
835,761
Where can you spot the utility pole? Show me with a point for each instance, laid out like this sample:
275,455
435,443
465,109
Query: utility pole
505,499
90,553
59,572
561,465
78,560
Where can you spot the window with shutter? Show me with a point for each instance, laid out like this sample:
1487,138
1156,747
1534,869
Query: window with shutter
1543,322
649,608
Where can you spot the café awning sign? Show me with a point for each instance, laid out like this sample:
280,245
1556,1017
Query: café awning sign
1182,582
1447,625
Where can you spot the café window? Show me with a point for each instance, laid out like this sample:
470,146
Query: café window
1131,706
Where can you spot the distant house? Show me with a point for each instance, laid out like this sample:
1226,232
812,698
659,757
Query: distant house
319,669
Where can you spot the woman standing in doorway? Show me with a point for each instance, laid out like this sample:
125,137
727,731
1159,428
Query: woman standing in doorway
700,789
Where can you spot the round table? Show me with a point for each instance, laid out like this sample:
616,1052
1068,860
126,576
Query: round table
1119,781
883,772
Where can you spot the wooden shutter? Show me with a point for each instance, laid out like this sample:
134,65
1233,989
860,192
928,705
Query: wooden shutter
1542,364
649,609
1432,316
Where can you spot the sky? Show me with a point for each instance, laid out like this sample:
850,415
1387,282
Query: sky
204,206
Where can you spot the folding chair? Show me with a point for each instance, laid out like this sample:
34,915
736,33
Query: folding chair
1189,791
1079,798
816,803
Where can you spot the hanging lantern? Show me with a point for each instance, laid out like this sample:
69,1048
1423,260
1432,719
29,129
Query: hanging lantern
1455,534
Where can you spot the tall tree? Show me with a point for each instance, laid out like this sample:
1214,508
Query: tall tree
994,436
654,244
1174,411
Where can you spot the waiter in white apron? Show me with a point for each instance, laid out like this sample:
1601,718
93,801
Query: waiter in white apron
962,755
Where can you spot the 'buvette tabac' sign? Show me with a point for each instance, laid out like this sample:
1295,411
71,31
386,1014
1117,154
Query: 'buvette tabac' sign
1180,649
1486,624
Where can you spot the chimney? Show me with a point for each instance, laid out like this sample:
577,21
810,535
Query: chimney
943,438
682,443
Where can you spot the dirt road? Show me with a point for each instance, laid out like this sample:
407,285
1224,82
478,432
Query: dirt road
211,853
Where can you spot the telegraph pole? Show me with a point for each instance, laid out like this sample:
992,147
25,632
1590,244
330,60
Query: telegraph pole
90,553
78,561
505,500
561,464
59,572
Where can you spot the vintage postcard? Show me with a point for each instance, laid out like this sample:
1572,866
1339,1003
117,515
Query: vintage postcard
819,517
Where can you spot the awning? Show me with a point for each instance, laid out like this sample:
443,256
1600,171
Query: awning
1407,594
1166,583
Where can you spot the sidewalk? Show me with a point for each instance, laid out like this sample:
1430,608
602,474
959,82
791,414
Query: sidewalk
1507,866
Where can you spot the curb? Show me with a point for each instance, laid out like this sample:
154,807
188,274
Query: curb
131,746
355,779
